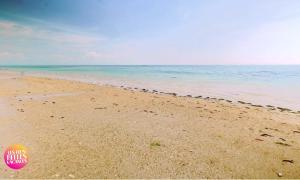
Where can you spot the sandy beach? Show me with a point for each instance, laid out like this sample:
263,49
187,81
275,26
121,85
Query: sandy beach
80,130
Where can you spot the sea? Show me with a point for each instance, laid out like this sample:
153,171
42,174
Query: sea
276,85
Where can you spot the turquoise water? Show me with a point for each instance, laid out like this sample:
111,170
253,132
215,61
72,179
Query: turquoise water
276,85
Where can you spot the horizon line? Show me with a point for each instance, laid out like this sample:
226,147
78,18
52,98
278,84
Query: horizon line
1,65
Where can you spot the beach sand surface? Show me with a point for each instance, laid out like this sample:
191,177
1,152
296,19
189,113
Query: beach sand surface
78,130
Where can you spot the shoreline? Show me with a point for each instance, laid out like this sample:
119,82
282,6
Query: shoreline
153,91
269,107
80,130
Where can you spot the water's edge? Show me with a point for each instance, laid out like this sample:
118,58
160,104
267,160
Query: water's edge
154,90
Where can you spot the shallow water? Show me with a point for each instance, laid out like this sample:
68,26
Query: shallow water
273,85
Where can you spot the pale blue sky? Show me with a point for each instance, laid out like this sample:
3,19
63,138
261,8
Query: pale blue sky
149,32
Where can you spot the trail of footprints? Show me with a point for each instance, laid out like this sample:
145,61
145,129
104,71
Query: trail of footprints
272,134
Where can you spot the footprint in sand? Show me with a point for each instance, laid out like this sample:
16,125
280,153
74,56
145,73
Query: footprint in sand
100,108
266,135
288,160
283,144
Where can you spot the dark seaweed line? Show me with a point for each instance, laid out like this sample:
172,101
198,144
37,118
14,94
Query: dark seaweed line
270,107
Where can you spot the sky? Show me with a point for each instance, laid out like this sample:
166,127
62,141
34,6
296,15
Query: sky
88,32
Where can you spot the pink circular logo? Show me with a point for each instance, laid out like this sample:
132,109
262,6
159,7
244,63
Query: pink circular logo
15,156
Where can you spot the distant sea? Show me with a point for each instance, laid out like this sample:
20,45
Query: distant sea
277,85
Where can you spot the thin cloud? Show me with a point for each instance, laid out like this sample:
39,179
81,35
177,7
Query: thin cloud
15,30
11,55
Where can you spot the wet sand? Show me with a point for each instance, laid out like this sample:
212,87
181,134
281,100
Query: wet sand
80,130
